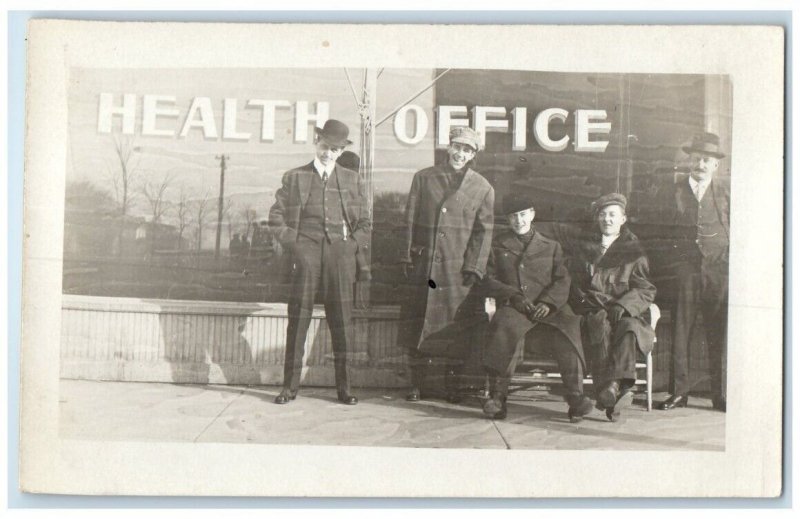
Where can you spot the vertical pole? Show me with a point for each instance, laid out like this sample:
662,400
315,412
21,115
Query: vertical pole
718,119
367,153
219,204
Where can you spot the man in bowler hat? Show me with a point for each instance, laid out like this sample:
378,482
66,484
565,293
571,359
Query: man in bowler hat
320,218
700,208
528,277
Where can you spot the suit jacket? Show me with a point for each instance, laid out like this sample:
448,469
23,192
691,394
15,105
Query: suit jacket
680,200
284,216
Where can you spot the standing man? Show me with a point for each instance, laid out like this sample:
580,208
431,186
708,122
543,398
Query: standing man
528,277
700,205
449,219
320,218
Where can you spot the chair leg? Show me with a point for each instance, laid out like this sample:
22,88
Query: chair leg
649,388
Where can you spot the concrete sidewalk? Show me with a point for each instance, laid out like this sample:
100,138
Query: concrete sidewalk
240,414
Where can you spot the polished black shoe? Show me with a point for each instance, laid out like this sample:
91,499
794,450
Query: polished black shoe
579,407
415,395
674,401
347,398
496,408
608,396
719,403
286,396
625,400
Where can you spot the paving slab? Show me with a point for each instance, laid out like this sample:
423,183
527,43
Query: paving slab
542,423
246,414
381,418
90,410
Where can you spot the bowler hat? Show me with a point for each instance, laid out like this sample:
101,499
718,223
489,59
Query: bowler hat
705,143
466,135
334,133
515,202
609,199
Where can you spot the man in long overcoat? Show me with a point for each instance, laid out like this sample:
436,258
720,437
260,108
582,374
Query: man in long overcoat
611,289
528,278
699,208
449,219
320,219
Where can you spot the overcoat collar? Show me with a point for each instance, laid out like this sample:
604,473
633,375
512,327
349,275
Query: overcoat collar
471,178
508,240
625,249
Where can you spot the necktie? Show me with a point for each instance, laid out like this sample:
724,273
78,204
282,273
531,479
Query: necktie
324,177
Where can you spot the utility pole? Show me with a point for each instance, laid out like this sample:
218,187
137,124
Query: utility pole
221,159
367,152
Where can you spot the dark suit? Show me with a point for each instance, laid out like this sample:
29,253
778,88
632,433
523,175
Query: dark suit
537,271
323,258
699,261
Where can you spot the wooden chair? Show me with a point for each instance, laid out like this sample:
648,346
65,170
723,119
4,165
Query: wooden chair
534,371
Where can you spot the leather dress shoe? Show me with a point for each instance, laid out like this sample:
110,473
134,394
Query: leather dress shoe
719,403
415,395
496,408
579,406
674,401
625,400
286,396
347,398
608,396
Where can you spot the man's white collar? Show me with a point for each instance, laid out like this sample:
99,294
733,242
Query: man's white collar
320,168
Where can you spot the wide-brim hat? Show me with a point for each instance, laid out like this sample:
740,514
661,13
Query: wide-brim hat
705,143
609,199
334,133
466,135
515,202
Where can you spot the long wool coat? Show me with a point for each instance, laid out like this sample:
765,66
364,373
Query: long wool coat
448,233
538,272
621,277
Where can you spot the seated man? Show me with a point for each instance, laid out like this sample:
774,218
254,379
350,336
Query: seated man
611,290
529,280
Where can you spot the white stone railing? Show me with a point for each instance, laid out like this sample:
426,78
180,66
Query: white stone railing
151,340
154,340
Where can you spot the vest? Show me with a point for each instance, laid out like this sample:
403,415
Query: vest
709,234
322,215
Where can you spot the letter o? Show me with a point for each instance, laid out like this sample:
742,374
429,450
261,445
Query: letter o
420,128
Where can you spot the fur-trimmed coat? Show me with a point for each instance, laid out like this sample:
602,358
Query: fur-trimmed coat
621,277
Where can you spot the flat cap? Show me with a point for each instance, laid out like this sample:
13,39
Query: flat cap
609,199
466,135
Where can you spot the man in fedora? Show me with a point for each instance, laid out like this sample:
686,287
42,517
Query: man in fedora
320,218
699,205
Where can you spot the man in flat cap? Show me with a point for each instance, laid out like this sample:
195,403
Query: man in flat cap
699,208
320,218
448,220
528,278
611,289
